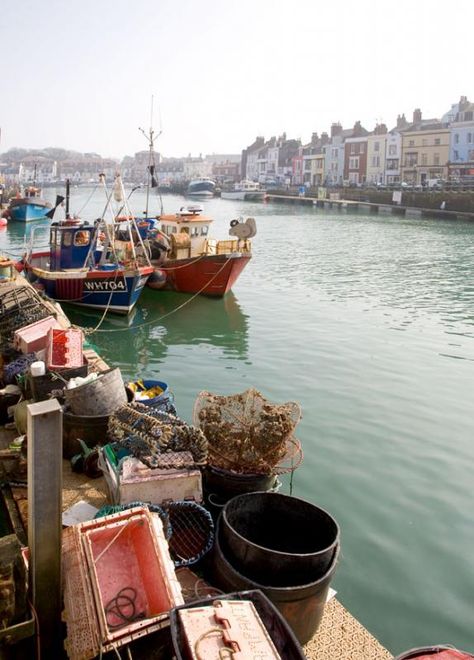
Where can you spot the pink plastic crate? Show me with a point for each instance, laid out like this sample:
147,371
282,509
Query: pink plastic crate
34,337
116,567
64,350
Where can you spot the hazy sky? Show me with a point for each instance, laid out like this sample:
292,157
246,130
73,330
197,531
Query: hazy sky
80,74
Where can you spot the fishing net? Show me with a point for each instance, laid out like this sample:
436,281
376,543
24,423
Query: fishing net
248,434
19,307
157,438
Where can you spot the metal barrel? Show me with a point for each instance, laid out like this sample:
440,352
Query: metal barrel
98,397
301,605
278,539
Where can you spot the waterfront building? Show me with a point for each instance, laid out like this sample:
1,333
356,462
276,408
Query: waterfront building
393,151
461,149
297,164
425,150
334,156
313,155
376,154
355,155
248,159
224,167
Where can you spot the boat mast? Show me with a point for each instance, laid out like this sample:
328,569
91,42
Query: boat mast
68,189
150,136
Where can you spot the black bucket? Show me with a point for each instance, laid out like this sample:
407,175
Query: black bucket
278,539
280,633
301,605
92,429
220,486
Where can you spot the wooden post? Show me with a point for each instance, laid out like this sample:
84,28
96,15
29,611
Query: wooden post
44,520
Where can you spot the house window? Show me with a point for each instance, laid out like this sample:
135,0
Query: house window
335,153
353,148
411,159
361,148
437,141
424,142
377,146
456,155
354,163
436,159
411,143
392,150
469,138
456,138
375,161
424,159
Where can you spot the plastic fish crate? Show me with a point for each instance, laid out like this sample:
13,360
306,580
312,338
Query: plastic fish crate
120,582
132,481
64,349
34,337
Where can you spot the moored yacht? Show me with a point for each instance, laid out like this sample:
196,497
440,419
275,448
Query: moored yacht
245,190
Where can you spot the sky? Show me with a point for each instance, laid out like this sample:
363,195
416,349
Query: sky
81,74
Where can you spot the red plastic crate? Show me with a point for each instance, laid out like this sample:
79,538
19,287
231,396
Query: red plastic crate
64,349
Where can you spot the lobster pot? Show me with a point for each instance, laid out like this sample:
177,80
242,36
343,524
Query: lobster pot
119,581
192,532
98,397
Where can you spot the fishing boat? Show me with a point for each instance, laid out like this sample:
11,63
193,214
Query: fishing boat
29,206
187,260
103,265
245,190
201,187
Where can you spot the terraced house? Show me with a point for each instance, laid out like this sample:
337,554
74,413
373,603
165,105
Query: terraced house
425,150
461,151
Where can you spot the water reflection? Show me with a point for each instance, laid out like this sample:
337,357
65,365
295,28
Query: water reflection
163,319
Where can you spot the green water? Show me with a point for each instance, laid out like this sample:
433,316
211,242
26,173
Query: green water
368,322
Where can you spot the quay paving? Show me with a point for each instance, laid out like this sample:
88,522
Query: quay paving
340,635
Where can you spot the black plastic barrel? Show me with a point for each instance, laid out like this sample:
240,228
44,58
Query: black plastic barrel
302,605
280,632
278,539
428,651
219,486
92,429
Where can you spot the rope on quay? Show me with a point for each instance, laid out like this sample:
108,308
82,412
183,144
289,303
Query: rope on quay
90,331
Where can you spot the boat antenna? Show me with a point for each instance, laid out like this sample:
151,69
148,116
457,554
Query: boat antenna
151,180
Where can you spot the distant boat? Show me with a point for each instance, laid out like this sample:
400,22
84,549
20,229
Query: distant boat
202,187
245,190
29,206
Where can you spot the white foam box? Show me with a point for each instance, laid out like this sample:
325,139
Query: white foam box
133,481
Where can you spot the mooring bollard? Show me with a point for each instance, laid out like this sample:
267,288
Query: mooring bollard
44,521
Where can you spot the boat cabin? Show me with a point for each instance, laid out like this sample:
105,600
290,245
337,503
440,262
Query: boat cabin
70,244
247,186
186,230
31,191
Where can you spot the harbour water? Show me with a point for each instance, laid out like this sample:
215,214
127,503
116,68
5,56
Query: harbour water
368,322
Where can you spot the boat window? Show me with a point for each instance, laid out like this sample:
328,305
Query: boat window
82,238
185,230
174,230
204,230
67,238
53,238
195,231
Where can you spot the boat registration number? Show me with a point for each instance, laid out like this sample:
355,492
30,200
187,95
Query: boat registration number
117,284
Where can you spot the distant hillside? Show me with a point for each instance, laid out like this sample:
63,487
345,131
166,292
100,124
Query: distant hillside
16,155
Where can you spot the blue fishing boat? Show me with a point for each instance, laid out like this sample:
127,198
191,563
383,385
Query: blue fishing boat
91,265
202,187
29,206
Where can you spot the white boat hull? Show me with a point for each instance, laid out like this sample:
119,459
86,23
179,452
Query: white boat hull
244,195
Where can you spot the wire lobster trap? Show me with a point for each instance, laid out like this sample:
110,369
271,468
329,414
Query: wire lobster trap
247,434
159,439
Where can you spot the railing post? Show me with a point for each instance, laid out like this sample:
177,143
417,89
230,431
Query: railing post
44,521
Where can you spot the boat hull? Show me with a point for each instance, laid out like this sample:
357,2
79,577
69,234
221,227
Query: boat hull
201,188
211,275
24,210
117,291
256,196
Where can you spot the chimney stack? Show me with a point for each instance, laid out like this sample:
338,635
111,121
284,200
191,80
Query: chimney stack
416,116
336,129
324,138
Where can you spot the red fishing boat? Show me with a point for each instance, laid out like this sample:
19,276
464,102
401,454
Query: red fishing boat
186,259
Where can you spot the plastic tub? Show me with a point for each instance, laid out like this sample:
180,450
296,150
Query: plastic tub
279,539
